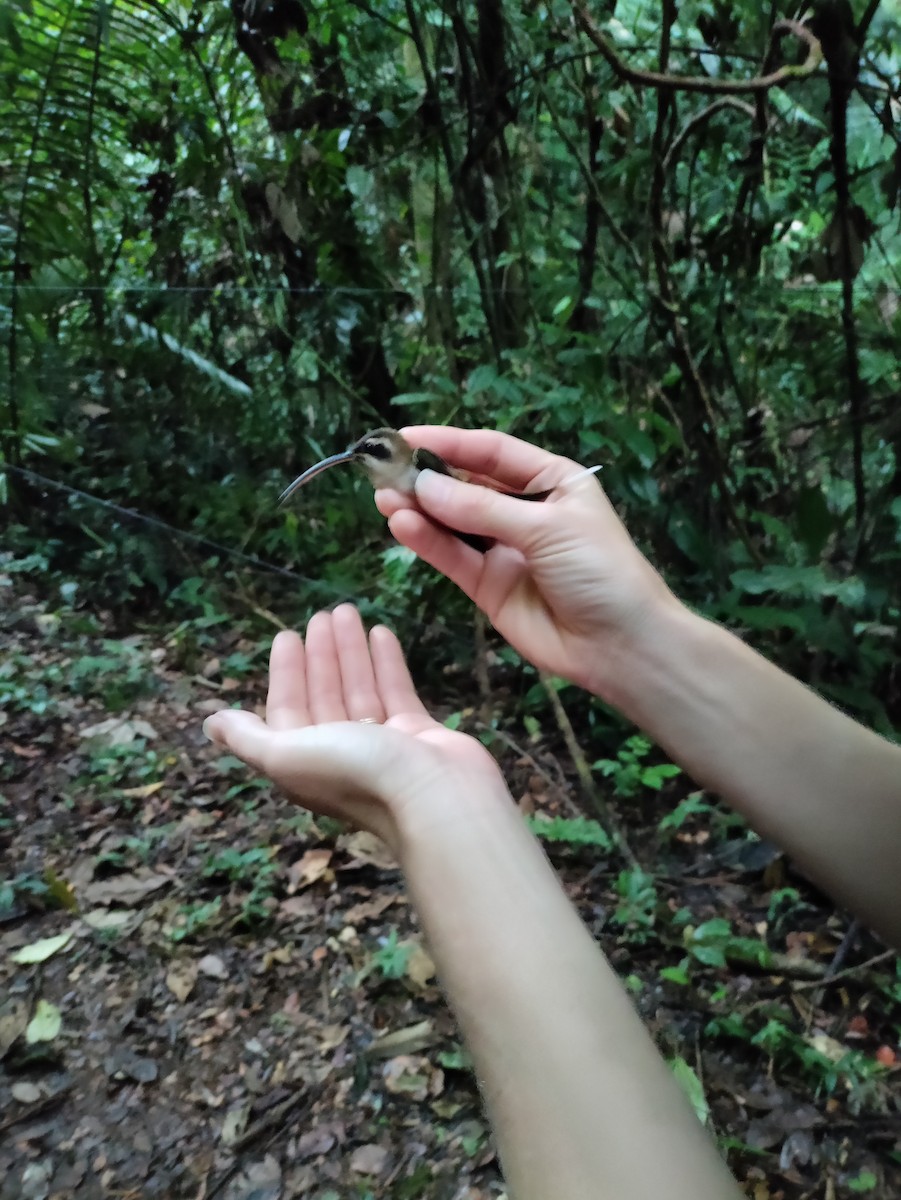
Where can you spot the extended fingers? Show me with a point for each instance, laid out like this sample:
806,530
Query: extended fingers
393,679
286,702
324,686
330,678
358,678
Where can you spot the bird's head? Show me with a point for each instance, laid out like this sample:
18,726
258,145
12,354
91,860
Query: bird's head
383,454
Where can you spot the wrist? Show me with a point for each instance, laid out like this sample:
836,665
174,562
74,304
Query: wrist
452,812
639,659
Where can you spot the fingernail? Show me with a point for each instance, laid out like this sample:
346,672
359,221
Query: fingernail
207,729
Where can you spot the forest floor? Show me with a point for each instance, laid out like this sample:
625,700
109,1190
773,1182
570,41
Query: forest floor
204,992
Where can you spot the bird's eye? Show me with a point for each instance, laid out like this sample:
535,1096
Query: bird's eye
376,450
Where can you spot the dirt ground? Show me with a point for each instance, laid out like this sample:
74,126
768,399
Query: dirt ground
237,1002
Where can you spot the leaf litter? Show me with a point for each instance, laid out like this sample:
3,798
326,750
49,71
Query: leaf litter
242,1005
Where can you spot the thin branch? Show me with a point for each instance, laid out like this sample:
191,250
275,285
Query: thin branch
666,299
698,119
695,83
583,770
863,24
434,100
847,973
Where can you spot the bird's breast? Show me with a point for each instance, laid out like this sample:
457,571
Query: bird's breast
391,475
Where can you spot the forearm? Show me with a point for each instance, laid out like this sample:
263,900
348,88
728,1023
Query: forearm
581,1103
818,784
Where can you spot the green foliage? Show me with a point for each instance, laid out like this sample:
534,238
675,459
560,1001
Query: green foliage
117,675
255,870
194,918
826,1065
241,866
22,887
637,909
458,1059
630,773
574,831
688,1080
864,1181
227,253
391,959
713,944
129,765
693,805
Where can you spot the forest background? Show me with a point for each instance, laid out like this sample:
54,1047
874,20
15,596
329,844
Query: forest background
663,238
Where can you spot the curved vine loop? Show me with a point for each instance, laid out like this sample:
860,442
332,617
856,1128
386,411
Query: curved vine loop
696,83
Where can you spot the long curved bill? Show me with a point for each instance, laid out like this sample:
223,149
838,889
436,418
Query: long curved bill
312,472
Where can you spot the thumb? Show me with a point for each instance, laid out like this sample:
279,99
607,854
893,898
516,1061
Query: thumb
244,733
470,508
332,754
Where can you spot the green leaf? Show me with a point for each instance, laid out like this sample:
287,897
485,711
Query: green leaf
40,951
866,1181
690,1083
709,956
576,831
693,805
45,1024
677,975
811,582
201,364
654,777
481,379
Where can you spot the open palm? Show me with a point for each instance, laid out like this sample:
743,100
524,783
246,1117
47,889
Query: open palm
345,733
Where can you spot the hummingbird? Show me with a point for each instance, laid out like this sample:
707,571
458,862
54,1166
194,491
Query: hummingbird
391,462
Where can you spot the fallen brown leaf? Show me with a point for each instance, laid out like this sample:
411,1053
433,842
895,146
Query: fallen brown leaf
125,889
367,848
369,1160
25,751
142,792
368,910
420,967
181,978
403,1041
13,1022
407,1075
118,731
312,866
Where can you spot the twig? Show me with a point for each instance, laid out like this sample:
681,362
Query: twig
481,665
848,972
698,119
556,784
44,1105
592,795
